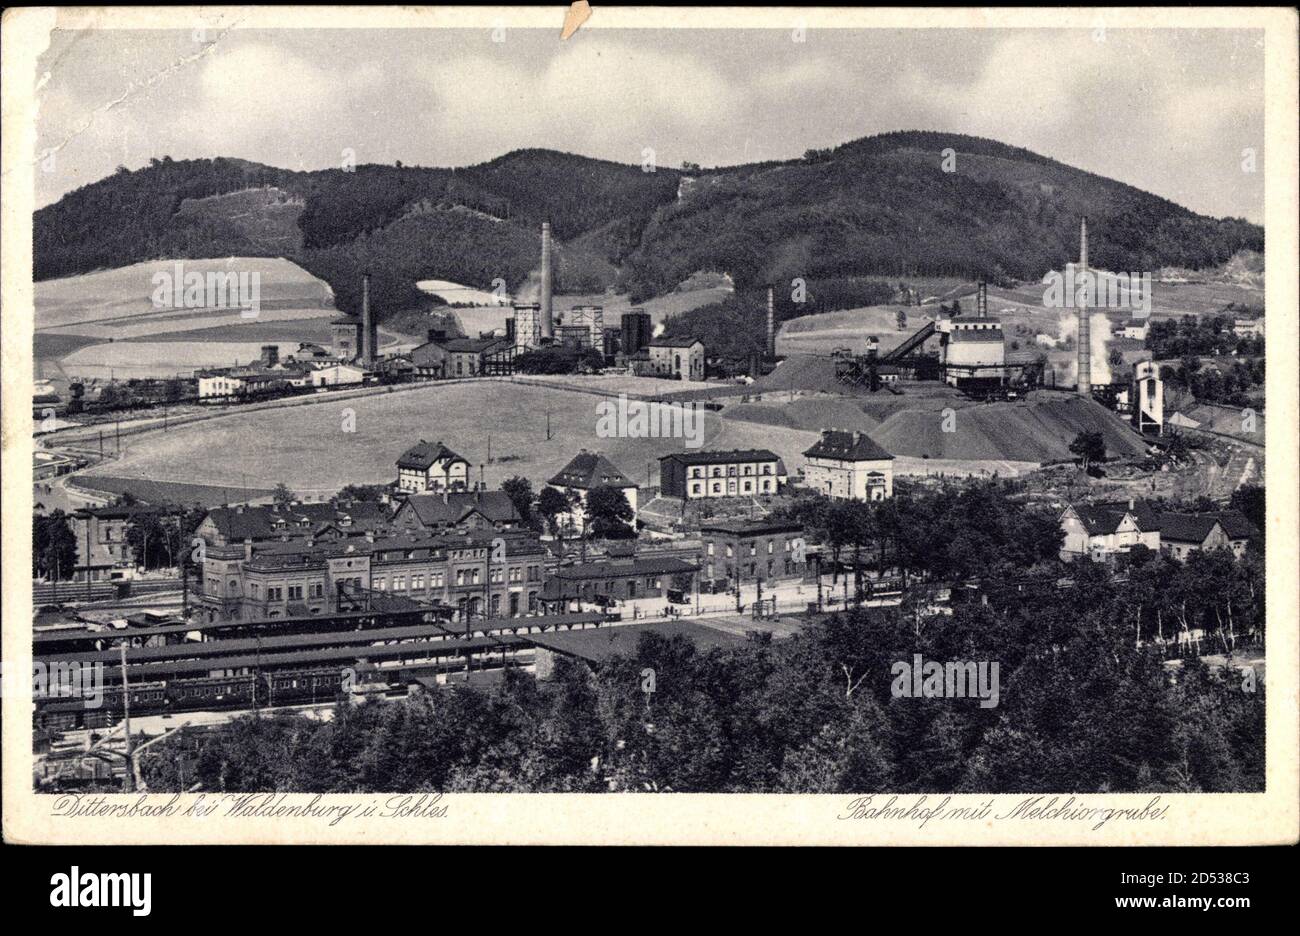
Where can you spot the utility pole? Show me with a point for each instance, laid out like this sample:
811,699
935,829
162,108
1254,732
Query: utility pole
88,589
548,425
128,782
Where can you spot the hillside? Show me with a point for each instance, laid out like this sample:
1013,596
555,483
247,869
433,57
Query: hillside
875,207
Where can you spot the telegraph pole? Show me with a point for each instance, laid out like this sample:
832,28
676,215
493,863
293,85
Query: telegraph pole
128,782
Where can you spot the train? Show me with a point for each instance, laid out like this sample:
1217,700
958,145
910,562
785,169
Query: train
285,687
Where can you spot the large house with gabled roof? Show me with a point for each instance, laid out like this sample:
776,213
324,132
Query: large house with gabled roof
585,472
849,466
431,467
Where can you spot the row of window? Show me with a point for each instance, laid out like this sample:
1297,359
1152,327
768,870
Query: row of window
746,487
731,471
753,547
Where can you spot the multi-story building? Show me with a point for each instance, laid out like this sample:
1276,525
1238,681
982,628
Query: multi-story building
477,574
707,474
330,520
585,472
100,534
849,466
1248,328
747,551
431,467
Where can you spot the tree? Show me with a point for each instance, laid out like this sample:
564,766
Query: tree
54,546
552,503
609,515
1249,499
520,492
1089,446
282,496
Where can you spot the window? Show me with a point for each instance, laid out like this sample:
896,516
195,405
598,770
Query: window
399,583
710,547
730,551
295,593
381,583
417,583
435,580
717,487
771,547
460,576
274,593
252,590
695,488
317,589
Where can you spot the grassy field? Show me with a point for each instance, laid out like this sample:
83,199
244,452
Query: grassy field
88,325
305,447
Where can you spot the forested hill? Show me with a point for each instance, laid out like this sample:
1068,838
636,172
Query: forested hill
878,206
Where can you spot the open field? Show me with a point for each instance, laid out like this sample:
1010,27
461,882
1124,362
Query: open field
305,447
88,325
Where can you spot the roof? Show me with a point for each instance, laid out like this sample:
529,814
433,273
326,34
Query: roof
588,470
241,523
424,455
1187,528
847,446
432,511
753,527
674,342
1236,525
722,458
1099,520
613,568
600,644
470,345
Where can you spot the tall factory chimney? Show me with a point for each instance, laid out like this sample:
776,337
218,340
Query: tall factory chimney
1081,297
982,300
547,324
771,321
368,331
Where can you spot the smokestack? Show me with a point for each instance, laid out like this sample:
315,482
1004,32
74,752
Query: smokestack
367,326
1084,338
547,324
771,321
982,300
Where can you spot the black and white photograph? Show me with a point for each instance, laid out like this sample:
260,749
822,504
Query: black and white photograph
575,401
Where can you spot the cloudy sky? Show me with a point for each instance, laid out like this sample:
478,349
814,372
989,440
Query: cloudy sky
1168,111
